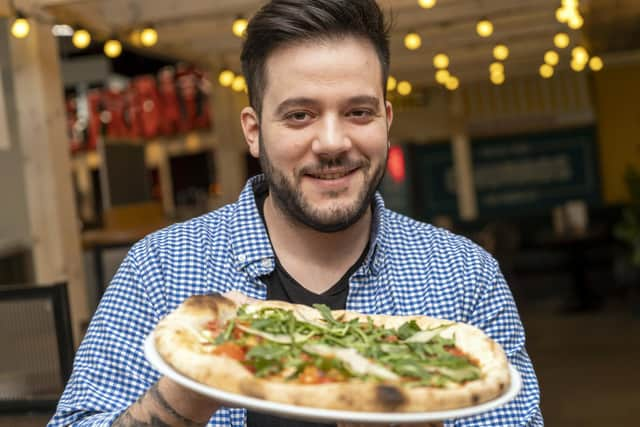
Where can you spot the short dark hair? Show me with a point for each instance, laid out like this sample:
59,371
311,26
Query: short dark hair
282,22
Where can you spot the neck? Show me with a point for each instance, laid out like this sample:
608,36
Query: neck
315,259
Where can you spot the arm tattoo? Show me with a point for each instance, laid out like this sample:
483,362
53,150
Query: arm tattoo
154,392
128,420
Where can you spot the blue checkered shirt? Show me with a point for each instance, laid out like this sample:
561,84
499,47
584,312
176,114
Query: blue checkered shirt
411,268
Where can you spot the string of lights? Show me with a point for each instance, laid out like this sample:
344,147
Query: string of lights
148,36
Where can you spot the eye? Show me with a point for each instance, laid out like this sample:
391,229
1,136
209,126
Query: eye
298,116
361,114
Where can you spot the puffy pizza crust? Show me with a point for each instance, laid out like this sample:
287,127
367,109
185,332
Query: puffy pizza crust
177,343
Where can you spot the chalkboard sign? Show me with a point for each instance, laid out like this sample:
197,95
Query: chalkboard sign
513,175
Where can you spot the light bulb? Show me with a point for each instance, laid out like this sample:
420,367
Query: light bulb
149,36
595,63
580,54
239,27
570,4
112,48
484,28
391,83
412,41
497,78
501,52
577,66
452,83
561,40
496,67
427,4
562,15
546,71
442,76
20,27
551,57
575,22
238,84
404,88
226,78
441,61
81,38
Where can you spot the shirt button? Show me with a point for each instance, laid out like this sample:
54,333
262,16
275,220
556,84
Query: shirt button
266,262
242,257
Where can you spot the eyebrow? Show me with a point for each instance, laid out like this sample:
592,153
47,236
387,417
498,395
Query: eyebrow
364,99
294,102
287,104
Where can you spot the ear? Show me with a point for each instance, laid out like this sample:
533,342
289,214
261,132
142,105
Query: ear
251,130
389,112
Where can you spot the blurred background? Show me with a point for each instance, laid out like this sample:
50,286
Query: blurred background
517,125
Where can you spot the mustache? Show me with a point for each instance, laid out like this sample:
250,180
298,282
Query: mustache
325,165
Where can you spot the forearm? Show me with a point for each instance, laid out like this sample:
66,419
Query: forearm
167,404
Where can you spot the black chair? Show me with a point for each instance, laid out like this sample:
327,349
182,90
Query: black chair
37,347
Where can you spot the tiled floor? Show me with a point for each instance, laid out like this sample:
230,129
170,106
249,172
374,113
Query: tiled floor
588,366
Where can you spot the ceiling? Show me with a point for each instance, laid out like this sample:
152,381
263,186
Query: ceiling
200,30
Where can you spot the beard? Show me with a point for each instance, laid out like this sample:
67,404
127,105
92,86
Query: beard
289,198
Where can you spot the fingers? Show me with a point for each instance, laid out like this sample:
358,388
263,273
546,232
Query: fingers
238,297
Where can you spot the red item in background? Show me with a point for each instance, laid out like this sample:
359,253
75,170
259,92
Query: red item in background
94,98
187,87
114,102
148,108
170,108
203,119
133,112
396,164
148,102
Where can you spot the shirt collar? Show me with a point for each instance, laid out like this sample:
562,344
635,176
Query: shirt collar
251,248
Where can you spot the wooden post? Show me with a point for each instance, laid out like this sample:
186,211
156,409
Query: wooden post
462,161
230,147
42,136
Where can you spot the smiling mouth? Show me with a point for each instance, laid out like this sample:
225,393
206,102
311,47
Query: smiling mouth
330,175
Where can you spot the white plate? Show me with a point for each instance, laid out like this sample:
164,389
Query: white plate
325,415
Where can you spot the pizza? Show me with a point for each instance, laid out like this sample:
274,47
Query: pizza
343,360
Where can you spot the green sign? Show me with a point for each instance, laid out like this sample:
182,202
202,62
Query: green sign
513,175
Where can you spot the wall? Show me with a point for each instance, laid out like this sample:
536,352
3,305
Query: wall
617,91
14,224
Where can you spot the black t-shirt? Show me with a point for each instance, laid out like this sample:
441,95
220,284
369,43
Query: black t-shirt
281,286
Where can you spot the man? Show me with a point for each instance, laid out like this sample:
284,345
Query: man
311,230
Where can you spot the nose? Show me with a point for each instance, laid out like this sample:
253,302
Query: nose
332,138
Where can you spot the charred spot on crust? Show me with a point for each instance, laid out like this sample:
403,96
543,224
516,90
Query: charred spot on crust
346,399
501,386
475,398
389,395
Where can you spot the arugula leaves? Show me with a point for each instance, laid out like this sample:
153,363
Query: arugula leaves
408,329
428,363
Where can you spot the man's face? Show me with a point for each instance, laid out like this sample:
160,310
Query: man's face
323,134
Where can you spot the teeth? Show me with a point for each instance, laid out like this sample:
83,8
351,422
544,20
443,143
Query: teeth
330,175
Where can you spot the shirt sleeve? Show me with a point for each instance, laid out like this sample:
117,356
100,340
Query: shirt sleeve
110,371
496,314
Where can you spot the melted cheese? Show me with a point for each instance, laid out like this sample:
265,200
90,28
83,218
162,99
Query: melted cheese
426,336
358,363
